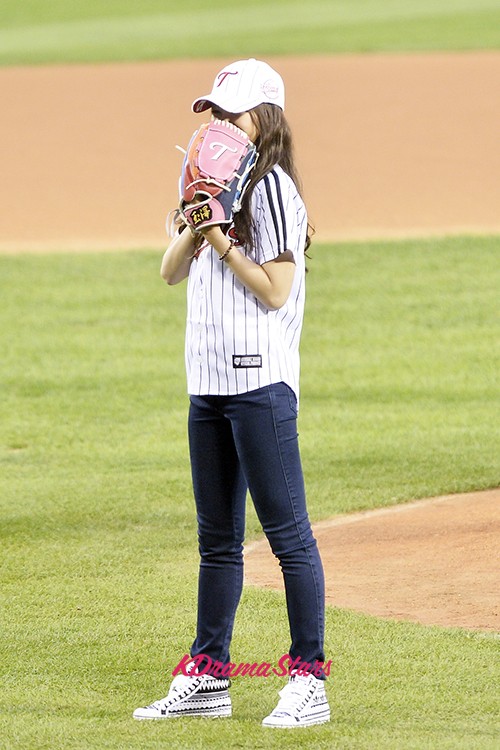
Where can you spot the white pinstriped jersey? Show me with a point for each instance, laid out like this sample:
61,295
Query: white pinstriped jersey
235,344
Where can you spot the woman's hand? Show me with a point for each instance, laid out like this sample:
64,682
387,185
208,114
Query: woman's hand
216,237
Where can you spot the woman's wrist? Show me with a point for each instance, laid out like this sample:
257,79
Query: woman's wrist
219,241
224,255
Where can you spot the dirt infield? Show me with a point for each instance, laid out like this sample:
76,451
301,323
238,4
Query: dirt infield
434,562
388,146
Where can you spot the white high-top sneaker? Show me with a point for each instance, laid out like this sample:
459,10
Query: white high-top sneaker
191,695
303,702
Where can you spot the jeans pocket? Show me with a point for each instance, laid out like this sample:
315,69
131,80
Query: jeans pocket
293,401
291,398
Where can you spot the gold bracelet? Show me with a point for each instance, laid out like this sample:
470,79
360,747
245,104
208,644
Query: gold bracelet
226,253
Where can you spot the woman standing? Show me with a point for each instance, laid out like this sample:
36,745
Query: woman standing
246,290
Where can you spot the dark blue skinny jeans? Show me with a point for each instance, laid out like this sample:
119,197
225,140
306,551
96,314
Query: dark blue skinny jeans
250,441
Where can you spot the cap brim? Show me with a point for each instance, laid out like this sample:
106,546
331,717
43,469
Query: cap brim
207,101
201,104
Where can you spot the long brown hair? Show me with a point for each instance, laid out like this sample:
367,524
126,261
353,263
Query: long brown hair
275,146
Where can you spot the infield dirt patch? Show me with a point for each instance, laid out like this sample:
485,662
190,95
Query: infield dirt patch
388,145
434,561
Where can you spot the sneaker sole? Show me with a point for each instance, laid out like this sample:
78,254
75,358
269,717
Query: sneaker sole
322,718
184,715
220,712
298,725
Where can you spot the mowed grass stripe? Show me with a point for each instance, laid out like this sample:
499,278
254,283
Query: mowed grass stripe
33,12
258,29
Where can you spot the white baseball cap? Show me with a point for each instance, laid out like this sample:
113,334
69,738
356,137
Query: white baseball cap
242,86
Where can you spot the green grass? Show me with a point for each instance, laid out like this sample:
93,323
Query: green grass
400,370
63,31
98,545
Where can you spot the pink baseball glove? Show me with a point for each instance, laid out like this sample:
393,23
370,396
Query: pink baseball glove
215,174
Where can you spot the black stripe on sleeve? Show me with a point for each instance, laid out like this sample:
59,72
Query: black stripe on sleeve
272,209
282,209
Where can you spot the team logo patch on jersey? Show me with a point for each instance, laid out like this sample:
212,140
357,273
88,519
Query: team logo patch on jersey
246,360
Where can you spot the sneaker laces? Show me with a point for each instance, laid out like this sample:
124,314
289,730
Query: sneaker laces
294,695
180,687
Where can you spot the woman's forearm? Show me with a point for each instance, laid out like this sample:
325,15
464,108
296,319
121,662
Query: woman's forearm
270,283
178,257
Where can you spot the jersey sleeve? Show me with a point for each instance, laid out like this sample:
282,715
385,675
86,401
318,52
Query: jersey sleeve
279,217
